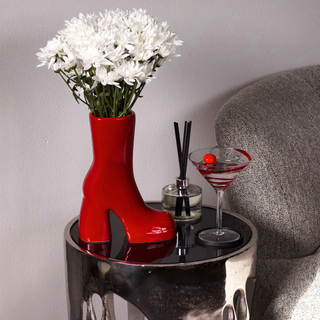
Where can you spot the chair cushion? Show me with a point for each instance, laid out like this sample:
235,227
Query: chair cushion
287,289
277,120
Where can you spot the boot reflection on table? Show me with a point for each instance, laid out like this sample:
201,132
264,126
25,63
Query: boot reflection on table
96,248
145,252
131,252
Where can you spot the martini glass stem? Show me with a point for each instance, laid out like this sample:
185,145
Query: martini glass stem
219,211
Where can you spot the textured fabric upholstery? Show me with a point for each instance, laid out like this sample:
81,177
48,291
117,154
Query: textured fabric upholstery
277,120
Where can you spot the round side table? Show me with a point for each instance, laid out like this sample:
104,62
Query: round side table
169,280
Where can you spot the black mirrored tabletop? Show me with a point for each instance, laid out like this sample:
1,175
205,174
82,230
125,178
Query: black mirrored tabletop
182,249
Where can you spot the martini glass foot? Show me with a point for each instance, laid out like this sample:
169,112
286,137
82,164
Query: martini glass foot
223,237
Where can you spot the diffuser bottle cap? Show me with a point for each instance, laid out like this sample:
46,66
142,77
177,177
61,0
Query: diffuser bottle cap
182,183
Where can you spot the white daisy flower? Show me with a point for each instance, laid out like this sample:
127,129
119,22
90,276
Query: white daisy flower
106,77
130,71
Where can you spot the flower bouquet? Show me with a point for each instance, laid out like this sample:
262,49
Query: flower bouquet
107,59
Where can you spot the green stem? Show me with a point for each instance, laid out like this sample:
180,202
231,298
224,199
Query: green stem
213,148
137,95
106,102
132,93
65,80
114,101
126,107
125,98
155,64
99,104
79,82
72,89
67,76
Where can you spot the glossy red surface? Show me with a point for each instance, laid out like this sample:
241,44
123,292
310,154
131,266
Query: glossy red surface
110,185
147,252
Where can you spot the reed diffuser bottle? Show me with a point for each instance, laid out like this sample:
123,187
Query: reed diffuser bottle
181,199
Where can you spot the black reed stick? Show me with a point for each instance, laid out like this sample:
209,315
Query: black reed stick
176,129
183,161
186,150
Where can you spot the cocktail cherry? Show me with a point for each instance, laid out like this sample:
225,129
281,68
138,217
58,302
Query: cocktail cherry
210,158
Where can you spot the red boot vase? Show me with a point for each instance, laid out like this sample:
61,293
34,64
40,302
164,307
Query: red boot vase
110,185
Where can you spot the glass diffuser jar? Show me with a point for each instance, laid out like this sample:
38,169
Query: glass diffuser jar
182,200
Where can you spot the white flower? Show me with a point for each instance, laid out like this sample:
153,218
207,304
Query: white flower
68,61
116,54
141,52
129,71
105,77
56,67
92,57
48,54
146,73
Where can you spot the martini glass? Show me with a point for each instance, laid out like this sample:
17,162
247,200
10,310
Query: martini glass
220,174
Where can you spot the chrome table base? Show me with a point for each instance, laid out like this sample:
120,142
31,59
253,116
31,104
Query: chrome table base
217,288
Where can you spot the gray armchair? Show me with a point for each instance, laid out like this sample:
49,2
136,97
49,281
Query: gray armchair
277,120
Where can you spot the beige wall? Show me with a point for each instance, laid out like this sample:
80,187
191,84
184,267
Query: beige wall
44,135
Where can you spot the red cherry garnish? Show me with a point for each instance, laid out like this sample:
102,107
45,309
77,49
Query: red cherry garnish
209,158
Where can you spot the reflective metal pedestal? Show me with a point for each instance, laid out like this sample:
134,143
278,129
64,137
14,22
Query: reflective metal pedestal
170,287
